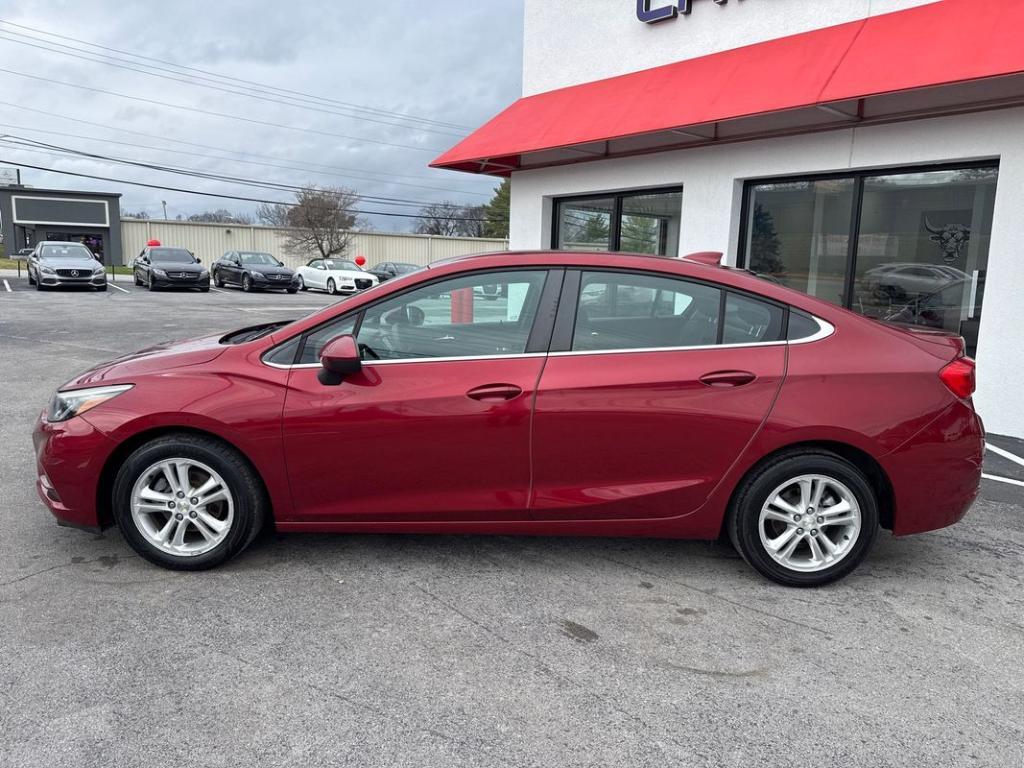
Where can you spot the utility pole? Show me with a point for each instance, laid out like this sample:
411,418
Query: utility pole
164,204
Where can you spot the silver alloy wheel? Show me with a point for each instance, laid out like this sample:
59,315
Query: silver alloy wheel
809,523
182,507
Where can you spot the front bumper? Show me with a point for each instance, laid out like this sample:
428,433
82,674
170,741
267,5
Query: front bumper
180,282
70,456
278,285
57,281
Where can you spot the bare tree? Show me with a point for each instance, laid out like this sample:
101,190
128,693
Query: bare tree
273,214
322,221
221,216
439,219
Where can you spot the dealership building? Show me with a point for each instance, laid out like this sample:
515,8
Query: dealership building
868,152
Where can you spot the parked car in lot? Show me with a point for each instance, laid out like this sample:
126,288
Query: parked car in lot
388,269
252,270
162,266
334,276
708,403
53,264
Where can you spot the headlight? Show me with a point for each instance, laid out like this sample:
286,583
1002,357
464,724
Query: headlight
75,402
159,272
259,276
47,270
98,271
204,273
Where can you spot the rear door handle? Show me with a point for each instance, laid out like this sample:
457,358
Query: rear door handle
492,392
723,379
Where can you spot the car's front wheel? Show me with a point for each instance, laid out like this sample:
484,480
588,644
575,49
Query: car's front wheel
804,518
332,287
301,284
188,502
246,283
217,279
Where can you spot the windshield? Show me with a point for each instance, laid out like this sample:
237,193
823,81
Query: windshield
334,264
172,255
405,268
70,251
251,257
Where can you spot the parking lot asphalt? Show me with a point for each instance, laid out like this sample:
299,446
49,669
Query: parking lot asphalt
474,651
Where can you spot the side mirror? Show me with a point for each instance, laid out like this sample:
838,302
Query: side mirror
279,263
339,358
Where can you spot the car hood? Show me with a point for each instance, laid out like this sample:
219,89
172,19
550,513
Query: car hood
267,269
162,357
85,264
172,266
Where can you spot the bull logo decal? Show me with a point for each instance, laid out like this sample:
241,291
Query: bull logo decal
951,239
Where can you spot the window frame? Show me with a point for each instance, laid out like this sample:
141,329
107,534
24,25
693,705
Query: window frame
568,307
858,178
537,344
615,225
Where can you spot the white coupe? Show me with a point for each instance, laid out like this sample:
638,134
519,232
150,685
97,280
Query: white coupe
334,276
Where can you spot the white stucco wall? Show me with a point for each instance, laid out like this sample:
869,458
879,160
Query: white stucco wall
712,180
566,43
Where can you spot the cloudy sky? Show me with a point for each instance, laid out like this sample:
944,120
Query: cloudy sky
342,93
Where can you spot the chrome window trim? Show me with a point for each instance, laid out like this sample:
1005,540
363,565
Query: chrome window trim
825,329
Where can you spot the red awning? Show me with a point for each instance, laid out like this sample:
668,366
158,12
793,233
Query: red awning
934,59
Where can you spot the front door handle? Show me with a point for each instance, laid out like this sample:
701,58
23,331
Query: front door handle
492,392
722,379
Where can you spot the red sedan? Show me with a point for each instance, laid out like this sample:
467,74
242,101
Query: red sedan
595,394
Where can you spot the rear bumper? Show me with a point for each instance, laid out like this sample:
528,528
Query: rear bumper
937,473
69,458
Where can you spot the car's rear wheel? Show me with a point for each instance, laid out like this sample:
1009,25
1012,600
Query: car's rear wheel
332,288
804,518
188,502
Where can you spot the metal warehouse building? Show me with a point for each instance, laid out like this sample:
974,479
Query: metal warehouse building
868,152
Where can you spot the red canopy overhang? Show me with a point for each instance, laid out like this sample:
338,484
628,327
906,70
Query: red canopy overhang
941,58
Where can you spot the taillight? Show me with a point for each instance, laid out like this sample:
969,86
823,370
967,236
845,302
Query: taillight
959,377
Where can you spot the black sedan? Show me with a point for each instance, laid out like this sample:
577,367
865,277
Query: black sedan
388,269
253,270
165,267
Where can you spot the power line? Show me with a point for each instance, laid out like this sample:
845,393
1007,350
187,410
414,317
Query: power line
197,110
208,194
53,150
221,76
290,103
53,115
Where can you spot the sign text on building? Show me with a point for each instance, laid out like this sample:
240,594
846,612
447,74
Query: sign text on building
652,11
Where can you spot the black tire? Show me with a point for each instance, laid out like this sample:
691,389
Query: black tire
218,281
246,283
135,277
101,288
332,287
39,284
151,285
250,505
302,284
743,517
31,280
293,290
205,290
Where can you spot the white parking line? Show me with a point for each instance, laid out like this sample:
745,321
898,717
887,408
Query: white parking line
217,290
1005,454
999,479
123,290
7,286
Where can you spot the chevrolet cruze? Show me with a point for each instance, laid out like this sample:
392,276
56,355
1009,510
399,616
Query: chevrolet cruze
607,395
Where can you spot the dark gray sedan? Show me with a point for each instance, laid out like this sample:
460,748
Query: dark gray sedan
55,264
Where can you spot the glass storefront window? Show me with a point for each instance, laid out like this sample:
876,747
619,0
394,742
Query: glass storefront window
907,247
637,222
922,250
799,235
